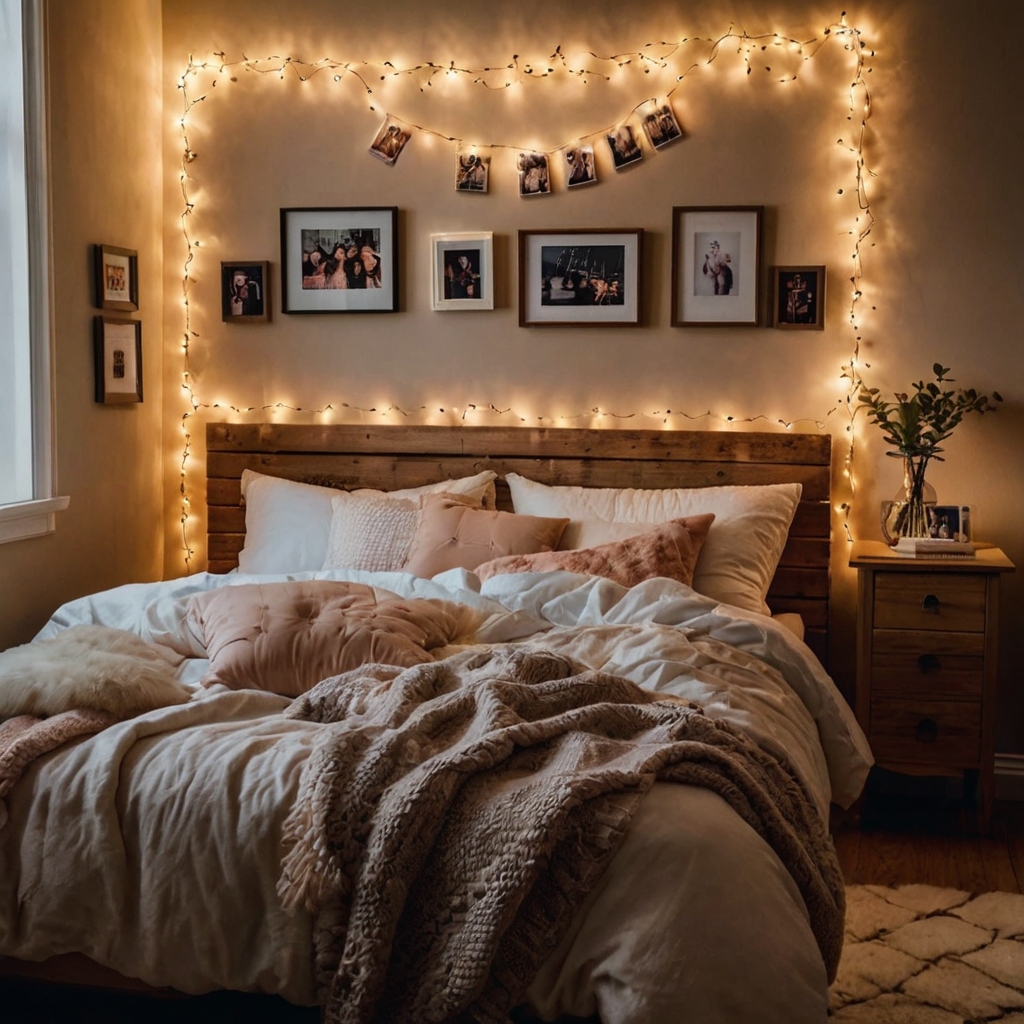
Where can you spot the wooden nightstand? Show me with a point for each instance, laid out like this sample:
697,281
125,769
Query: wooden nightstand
927,661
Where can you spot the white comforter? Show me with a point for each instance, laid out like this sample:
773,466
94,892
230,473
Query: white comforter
154,847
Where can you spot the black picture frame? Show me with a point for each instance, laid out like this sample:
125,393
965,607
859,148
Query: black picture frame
798,298
322,232
117,348
251,295
115,278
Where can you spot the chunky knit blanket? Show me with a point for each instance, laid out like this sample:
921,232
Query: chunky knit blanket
453,816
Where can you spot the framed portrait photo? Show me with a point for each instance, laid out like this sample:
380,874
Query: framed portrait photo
116,278
716,266
462,270
244,297
589,277
117,347
339,259
798,298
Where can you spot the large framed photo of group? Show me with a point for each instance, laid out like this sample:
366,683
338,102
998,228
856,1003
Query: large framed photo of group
716,266
462,270
587,277
339,259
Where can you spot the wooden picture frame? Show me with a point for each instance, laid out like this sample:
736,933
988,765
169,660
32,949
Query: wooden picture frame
245,291
798,298
117,349
115,278
582,277
320,250
462,270
716,266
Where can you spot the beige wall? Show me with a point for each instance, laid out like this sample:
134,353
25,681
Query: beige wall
105,138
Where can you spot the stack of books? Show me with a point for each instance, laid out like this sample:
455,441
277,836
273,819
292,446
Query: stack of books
930,547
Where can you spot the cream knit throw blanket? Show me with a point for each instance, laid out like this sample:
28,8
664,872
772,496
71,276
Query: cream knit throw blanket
453,818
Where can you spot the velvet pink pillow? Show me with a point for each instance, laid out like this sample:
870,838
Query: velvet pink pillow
453,535
669,550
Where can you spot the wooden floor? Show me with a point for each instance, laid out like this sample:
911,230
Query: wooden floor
900,840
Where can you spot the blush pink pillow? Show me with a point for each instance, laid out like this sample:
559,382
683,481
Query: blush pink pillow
669,550
453,535
286,637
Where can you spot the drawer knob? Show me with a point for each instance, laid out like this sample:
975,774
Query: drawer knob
927,731
929,663
930,603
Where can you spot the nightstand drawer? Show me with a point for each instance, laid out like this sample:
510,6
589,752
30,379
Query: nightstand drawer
927,732
905,600
928,663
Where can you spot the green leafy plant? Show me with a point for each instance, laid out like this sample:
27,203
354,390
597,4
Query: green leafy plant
916,424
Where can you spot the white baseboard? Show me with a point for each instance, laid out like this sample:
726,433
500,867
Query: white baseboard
1010,776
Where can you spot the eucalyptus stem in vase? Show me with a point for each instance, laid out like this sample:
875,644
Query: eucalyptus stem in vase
915,425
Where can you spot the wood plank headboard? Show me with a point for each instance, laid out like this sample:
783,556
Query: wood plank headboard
389,457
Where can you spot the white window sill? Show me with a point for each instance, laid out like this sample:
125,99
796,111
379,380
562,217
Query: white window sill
29,518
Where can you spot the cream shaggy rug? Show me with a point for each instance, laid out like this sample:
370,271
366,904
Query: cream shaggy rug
923,955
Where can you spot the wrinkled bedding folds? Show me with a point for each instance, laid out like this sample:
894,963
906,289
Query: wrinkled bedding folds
693,901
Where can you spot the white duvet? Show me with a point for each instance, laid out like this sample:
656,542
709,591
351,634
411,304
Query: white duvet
154,847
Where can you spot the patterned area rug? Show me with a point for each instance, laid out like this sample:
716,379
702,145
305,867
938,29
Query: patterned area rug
923,955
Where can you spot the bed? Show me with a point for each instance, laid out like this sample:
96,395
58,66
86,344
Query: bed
693,909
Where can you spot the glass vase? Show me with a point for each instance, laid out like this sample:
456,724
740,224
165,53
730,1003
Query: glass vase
907,514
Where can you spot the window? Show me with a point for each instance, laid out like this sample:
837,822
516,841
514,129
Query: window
27,501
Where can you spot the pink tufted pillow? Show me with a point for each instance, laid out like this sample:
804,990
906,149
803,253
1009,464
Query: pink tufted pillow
286,637
668,550
452,535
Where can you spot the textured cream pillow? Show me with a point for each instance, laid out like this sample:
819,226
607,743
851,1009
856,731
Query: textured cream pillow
288,524
668,550
743,546
370,533
452,535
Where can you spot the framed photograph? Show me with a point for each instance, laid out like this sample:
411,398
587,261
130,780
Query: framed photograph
116,278
716,266
798,298
950,522
534,174
624,146
243,292
590,277
389,142
339,259
580,168
463,270
659,123
117,346
471,172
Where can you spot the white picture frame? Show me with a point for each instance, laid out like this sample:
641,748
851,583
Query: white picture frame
462,271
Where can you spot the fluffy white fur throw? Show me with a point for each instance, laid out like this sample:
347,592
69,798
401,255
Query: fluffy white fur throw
88,667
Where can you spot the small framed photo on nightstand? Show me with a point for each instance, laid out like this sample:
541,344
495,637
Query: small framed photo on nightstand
950,522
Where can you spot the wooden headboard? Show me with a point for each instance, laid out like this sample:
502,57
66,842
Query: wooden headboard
389,457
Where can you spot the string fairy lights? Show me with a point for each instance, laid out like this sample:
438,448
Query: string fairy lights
772,57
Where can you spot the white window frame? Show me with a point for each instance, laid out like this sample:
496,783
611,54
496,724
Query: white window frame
20,520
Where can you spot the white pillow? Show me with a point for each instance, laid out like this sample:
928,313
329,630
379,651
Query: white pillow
288,524
744,544
371,533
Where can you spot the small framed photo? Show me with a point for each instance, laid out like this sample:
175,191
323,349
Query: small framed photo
659,123
716,266
472,171
950,522
389,142
339,259
243,292
534,174
117,347
463,270
116,278
580,168
589,277
622,141
798,298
